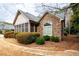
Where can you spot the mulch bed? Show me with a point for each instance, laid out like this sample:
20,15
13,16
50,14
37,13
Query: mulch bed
70,42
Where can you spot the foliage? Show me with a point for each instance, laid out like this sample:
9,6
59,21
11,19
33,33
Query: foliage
40,41
9,34
9,30
26,37
54,39
35,33
30,39
66,31
0,31
46,38
27,40
75,16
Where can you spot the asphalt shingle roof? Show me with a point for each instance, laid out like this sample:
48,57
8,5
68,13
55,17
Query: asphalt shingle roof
30,16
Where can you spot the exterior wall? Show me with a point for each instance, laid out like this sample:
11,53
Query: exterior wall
56,25
21,19
20,24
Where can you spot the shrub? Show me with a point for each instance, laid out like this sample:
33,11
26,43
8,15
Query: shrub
35,33
40,41
66,31
9,30
0,31
28,40
54,39
28,33
26,37
9,34
46,38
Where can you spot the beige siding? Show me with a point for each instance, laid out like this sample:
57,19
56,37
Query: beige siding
20,24
21,19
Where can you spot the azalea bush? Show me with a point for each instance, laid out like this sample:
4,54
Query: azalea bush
54,39
40,41
46,38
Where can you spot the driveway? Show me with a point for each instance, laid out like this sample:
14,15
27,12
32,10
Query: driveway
10,49
1,36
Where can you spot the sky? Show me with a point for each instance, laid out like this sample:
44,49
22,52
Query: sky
8,10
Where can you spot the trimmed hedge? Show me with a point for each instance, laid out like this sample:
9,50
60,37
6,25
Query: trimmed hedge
40,41
28,40
46,38
9,34
26,37
54,39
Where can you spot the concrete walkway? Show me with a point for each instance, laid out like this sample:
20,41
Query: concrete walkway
7,48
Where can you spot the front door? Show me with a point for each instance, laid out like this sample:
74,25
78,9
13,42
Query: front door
47,29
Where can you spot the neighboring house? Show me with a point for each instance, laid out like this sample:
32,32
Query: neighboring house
49,24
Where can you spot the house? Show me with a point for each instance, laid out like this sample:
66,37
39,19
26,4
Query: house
48,24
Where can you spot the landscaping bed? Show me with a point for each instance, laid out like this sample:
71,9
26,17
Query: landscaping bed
52,46
34,40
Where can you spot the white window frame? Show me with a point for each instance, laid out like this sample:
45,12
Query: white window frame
50,22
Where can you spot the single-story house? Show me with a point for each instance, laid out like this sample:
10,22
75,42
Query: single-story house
48,24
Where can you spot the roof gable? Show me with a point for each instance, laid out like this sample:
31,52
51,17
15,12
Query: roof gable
26,15
61,15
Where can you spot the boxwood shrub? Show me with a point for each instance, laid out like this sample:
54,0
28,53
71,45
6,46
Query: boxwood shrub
28,40
54,39
40,41
26,37
46,38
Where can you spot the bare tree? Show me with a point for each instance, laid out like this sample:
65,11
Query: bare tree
41,8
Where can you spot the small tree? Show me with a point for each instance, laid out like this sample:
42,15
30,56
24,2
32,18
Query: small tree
75,17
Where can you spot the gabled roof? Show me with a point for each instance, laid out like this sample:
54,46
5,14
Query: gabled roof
32,18
26,14
59,15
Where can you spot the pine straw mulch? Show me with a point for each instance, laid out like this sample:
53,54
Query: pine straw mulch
70,42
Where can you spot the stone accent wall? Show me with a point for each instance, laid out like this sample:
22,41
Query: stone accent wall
56,24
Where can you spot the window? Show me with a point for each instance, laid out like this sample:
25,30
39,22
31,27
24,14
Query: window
32,28
26,27
22,27
19,28
47,24
47,29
